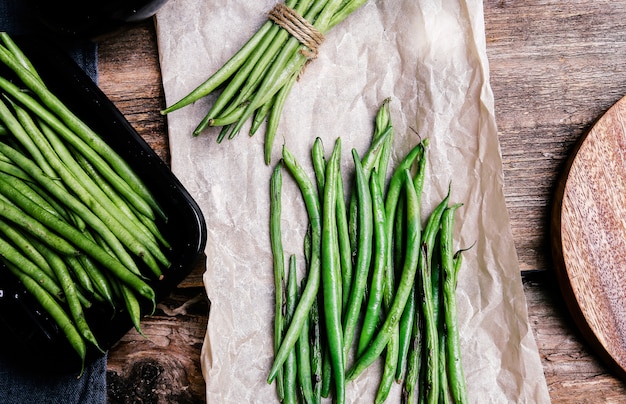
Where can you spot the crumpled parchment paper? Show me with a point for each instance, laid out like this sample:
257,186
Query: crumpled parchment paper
429,58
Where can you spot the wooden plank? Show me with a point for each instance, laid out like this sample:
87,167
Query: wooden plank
164,366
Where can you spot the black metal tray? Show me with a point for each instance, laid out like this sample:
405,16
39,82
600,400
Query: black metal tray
27,335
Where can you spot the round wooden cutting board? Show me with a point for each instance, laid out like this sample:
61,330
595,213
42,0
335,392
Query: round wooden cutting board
589,236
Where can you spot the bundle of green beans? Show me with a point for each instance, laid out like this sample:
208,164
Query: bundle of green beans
376,285
77,225
258,78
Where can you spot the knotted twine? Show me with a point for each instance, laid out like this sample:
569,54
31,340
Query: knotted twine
298,27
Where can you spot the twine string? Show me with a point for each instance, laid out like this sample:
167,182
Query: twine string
290,20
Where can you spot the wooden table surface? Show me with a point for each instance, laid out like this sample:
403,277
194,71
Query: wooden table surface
555,67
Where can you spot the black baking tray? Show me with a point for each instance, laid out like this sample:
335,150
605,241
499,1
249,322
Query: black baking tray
27,335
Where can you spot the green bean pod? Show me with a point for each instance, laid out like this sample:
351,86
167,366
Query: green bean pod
309,294
290,366
55,310
278,264
450,265
363,258
81,129
407,277
316,352
331,273
431,336
303,358
374,303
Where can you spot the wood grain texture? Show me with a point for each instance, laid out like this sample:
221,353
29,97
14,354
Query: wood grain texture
162,367
555,68
589,236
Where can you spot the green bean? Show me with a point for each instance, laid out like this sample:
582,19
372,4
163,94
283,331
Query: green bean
344,254
22,135
253,69
391,202
245,78
327,372
108,170
331,273
309,294
431,339
287,62
303,357
82,279
275,114
49,99
383,123
149,228
450,267
319,163
221,75
71,294
17,53
80,296
132,307
407,331
290,366
259,117
278,263
233,91
389,368
407,277
28,190
55,310
444,393
414,356
12,255
24,244
41,217
364,255
99,281
32,225
368,162
375,298
9,168
77,206
344,11
132,233
316,352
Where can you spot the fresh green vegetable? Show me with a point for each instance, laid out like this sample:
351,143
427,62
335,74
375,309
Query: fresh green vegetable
450,265
290,367
400,298
258,78
331,273
374,304
379,341
279,264
364,255
309,295
77,224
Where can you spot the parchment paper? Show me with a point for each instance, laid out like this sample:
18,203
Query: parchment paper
429,57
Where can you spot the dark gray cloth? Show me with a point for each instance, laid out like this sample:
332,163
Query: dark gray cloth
14,20
22,387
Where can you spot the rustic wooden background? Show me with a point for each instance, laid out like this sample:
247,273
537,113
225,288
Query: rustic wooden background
555,67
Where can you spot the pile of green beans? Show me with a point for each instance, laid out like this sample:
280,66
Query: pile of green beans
377,284
256,80
77,225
